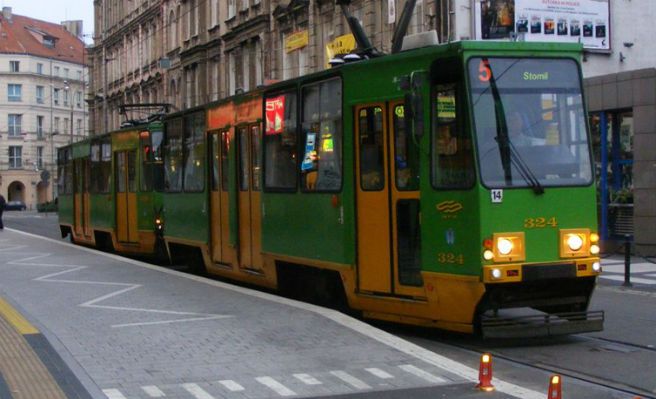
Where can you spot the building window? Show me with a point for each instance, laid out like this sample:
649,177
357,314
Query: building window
79,75
39,94
78,99
15,125
56,73
14,92
14,66
66,73
244,5
56,125
231,8
39,157
65,125
79,127
39,68
15,157
65,97
39,126
55,96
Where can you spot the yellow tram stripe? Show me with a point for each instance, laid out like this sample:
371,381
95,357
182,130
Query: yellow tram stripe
16,319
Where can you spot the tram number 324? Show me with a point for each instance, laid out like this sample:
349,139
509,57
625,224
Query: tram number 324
540,222
450,258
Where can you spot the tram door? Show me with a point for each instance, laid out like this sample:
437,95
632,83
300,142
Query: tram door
388,219
222,251
126,196
249,153
81,196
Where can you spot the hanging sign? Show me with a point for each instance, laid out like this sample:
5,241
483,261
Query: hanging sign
275,115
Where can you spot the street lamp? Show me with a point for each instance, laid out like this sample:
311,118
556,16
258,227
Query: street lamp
70,99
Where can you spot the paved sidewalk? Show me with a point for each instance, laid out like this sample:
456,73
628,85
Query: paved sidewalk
643,272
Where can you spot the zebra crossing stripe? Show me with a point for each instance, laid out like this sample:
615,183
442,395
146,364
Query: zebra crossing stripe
380,373
349,379
231,385
196,391
153,391
422,374
307,379
113,394
275,386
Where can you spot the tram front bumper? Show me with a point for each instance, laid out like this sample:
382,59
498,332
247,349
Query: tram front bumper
542,325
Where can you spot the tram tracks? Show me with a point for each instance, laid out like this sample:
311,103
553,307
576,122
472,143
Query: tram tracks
620,387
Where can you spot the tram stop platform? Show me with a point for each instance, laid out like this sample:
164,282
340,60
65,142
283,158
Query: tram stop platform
78,323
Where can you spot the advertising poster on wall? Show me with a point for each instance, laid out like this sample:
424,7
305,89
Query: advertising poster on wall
574,21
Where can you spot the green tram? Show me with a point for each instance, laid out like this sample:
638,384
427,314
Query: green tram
108,195
444,186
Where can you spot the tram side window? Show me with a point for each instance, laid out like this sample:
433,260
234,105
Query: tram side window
194,150
370,123
321,165
406,154
105,169
100,167
256,156
244,162
173,156
65,172
451,152
280,142
225,159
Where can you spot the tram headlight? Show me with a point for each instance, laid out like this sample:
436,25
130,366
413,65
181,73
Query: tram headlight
594,249
488,254
508,247
496,274
596,267
504,246
574,242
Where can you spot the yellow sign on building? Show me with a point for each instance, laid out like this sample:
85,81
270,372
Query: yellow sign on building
297,40
341,45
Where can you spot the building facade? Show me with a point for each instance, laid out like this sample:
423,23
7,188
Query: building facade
42,85
190,52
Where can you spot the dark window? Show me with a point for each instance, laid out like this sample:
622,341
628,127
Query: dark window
173,156
244,162
256,156
215,158
408,230
194,151
372,142
321,165
280,142
225,161
406,154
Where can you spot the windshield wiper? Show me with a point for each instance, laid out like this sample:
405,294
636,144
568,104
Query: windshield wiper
507,151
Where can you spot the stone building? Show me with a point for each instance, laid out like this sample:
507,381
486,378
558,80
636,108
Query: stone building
190,52
42,84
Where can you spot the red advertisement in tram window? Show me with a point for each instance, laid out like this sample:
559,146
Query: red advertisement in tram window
275,115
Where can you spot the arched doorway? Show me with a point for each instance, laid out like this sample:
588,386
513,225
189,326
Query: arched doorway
16,191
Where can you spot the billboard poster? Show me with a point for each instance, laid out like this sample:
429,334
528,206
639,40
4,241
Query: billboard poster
574,21
275,115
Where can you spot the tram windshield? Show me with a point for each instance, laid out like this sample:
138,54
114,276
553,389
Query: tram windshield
530,122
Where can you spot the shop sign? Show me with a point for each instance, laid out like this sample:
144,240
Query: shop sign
296,40
341,45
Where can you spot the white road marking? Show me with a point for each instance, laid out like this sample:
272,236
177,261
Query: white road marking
196,391
307,379
153,391
380,373
632,279
392,341
422,374
113,394
349,379
231,385
94,303
275,386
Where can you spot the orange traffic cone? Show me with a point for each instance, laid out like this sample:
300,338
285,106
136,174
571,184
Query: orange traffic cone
555,391
485,373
